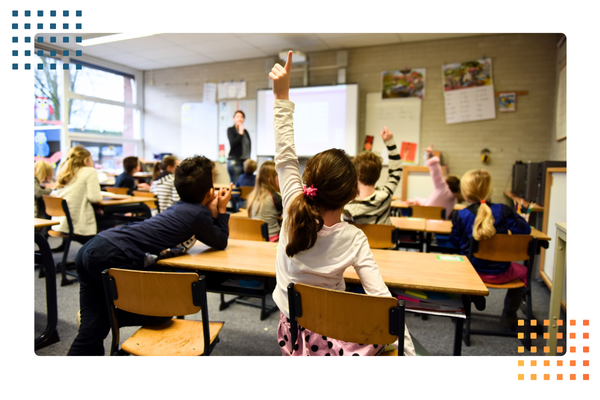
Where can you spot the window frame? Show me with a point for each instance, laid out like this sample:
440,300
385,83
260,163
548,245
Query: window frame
68,137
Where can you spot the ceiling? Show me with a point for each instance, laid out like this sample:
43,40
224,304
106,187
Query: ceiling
169,50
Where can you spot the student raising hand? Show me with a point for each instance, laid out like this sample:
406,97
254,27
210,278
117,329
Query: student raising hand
386,134
281,79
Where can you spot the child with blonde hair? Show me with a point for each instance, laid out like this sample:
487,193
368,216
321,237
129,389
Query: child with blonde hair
264,202
43,173
315,246
78,184
482,219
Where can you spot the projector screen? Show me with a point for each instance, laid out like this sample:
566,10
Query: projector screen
325,117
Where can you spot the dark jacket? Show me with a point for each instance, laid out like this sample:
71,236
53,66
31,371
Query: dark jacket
235,142
505,219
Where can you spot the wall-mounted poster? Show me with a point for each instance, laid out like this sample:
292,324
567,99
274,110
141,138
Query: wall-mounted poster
468,91
403,83
507,102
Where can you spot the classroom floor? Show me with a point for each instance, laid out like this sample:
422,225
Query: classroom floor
244,334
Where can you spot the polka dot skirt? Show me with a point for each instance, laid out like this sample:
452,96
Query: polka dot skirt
313,344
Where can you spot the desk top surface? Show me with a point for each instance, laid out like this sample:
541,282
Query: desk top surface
403,204
106,201
409,224
409,270
41,223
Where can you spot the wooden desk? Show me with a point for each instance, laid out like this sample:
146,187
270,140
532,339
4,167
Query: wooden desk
243,213
42,223
404,204
443,227
399,269
558,280
111,201
50,335
409,224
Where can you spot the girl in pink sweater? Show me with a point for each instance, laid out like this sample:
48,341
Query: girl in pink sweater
445,191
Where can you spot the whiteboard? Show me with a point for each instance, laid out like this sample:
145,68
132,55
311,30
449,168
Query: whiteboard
557,212
226,111
199,130
401,116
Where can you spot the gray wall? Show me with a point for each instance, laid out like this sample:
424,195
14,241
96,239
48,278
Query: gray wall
520,62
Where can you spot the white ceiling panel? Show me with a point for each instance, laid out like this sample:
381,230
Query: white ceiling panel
179,49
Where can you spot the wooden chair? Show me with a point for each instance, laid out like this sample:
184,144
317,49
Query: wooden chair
504,248
426,212
248,229
346,316
152,205
117,190
257,230
380,236
57,207
245,191
161,294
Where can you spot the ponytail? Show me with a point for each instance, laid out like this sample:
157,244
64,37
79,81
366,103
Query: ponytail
302,224
483,227
156,171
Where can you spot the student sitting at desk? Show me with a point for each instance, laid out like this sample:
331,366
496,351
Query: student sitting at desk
482,220
42,185
264,202
131,165
200,215
163,182
315,246
446,192
373,204
247,178
78,184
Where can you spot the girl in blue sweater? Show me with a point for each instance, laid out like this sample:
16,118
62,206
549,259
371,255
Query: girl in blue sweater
482,219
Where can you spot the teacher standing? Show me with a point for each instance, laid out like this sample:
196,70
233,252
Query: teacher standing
239,144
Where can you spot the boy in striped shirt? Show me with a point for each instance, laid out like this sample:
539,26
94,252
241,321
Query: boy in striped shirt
373,204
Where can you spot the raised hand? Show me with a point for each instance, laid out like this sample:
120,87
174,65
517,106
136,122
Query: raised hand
223,198
386,134
212,205
429,151
241,128
281,79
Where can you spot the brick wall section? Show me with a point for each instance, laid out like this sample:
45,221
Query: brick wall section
524,62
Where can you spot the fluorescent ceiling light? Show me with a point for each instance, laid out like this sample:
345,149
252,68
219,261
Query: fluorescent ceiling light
114,38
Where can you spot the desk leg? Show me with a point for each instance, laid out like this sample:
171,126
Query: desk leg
556,293
458,333
50,335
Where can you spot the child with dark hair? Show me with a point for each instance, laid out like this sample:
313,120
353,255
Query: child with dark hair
373,204
446,191
315,245
200,215
131,165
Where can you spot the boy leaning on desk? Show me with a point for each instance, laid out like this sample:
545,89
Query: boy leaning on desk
199,215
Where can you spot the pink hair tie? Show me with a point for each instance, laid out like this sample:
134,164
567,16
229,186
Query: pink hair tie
310,192
482,202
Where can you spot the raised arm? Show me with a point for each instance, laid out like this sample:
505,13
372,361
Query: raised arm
395,161
286,161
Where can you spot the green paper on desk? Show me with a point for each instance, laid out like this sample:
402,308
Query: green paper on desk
449,258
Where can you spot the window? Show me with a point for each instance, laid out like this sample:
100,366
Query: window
102,109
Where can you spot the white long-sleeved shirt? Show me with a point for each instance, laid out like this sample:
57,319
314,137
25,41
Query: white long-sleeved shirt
80,193
337,247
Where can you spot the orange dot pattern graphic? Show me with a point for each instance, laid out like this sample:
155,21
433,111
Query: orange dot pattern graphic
577,354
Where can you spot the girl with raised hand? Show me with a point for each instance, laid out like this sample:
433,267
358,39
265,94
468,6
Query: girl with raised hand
315,245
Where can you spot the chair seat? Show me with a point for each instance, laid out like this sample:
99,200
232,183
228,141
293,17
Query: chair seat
517,283
171,339
56,234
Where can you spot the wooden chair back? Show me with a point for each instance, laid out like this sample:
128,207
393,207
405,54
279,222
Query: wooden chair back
159,294
380,236
346,316
151,204
245,191
54,206
117,190
427,212
248,229
503,247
